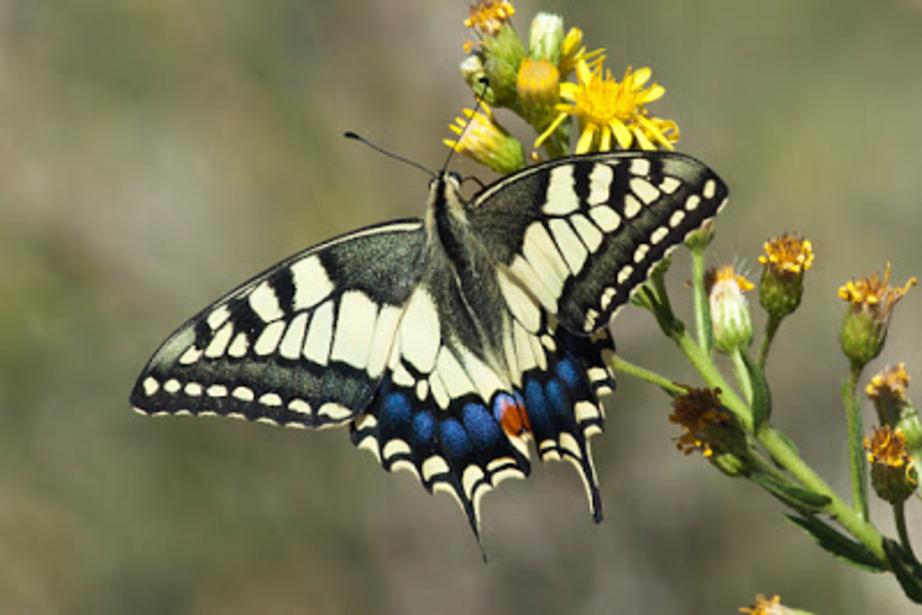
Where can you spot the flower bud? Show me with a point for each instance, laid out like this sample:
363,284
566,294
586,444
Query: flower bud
537,86
502,56
786,259
893,473
483,139
701,238
546,38
888,391
730,319
871,302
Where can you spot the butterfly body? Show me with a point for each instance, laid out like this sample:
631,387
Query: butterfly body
448,344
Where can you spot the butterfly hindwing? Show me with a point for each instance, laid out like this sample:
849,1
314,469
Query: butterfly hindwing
582,233
305,343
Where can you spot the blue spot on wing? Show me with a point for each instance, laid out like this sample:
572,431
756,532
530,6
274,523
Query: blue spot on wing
395,415
567,371
537,409
455,441
482,428
423,429
560,402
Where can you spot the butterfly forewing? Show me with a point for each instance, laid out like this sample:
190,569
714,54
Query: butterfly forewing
582,233
304,343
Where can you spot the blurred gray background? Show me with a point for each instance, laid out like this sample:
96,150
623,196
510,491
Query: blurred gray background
154,154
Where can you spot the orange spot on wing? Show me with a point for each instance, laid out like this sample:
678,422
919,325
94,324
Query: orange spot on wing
514,418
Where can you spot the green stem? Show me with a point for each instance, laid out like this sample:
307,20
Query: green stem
854,423
742,374
899,515
709,372
702,308
771,328
626,367
846,516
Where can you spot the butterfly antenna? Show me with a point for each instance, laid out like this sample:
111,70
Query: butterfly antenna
483,81
356,137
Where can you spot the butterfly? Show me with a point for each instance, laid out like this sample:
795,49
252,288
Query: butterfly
450,344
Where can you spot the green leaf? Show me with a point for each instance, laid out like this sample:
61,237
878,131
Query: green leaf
839,545
803,500
907,570
761,394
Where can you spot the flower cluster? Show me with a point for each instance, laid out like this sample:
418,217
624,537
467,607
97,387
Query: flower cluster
893,472
533,82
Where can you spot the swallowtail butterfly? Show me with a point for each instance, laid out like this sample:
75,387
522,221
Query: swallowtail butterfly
447,344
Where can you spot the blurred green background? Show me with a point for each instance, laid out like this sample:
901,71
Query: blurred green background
154,154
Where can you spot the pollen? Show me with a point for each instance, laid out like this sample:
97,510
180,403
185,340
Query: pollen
788,254
887,447
488,16
892,383
875,293
699,413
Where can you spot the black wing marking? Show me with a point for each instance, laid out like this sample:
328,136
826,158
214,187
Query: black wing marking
583,232
305,343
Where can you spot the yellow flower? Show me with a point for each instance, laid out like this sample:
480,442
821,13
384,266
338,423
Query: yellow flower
488,16
871,300
893,473
788,254
875,294
766,606
482,138
606,108
572,52
786,259
891,383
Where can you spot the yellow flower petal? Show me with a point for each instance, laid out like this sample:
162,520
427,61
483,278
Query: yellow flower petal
642,139
622,134
654,92
585,139
550,129
641,75
605,141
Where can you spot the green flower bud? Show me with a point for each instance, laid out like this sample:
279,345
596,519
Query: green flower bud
786,259
871,302
893,473
730,319
546,38
702,237
502,56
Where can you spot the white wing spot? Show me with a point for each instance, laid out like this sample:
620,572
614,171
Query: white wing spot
395,447
171,386
190,356
354,329
587,231
542,254
669,185
710,189
193,389
320,334
217,317
434,466
150,385
600,183
691,204
422,389
573,250
265,302
334,411
244,393
640,166
217,390
311,281
658,235
632,206
269,339
239,346
300,406
219,342
606,218
270,399
676,218
607,296
561,195
641,252
290,348
644,189
625,273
